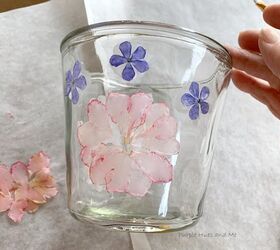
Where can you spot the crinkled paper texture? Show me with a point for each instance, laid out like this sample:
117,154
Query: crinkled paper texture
243,193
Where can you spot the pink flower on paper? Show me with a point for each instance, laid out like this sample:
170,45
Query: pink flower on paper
6,185
24,187
127,143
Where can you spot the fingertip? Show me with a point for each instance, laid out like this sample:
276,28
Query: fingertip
243,33
248,40
271,15
267,12
241,36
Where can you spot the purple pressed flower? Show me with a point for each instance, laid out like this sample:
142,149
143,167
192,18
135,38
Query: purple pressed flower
194,99
73,81
132,61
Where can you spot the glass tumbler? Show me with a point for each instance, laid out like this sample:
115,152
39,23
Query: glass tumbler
142,103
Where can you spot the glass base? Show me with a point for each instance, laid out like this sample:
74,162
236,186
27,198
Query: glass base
170,223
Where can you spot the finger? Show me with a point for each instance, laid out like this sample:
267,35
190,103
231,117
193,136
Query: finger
269,43
274,111
250,84
253,64
265,102
258,89
249,40
273,97
271,15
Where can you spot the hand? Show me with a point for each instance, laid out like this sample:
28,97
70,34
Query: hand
257,63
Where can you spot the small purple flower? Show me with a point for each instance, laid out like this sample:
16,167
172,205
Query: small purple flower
134,60
196,99
74,81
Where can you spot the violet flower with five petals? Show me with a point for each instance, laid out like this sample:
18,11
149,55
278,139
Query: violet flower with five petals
73,81
196,99
132,60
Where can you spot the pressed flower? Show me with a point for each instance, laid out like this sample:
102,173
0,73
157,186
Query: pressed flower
5,202
6,180
196,100
17,210
35,183
24,187
132,61
127,141
74,81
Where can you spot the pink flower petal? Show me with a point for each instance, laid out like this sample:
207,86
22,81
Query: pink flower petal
160,138
117,107
139,184
6,180
44,185
5,202
21,193
103,163
96,110
127,177
35,196
163,128
119,172
162,147
25,192
19,173
31,207
154,112
98,171
128,112
89,155
98,129
46,192
39,161
139,104
16,211
86,156
42,179
118,178
157,167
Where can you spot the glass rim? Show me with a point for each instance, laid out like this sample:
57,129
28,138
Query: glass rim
181,30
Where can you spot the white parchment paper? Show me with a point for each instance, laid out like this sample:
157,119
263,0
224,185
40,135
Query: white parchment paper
243,201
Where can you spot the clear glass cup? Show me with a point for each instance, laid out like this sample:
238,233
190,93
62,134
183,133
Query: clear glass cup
142,103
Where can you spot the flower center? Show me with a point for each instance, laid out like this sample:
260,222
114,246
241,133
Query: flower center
72,83
126,144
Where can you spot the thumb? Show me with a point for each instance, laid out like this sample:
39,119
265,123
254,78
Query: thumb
269,44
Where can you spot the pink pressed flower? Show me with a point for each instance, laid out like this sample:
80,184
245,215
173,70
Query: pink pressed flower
6,180
39,162
17,210
5,202
127,143
6,185
34,181
24,187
